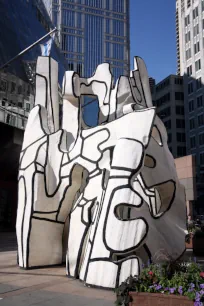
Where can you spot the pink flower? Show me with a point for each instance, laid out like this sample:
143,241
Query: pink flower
151,273
202,274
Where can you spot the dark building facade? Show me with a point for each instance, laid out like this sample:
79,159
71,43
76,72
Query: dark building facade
22,23
169,100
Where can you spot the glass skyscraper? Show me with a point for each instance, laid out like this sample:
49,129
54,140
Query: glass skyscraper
92,32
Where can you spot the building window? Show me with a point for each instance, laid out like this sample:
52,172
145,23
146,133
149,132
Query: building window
201,139
180,124
163,100
28,90
180,110
168,124
4,100
196,30
10,119
189,70
191,106
195,12
192,124
198,65
200,101
79,69
20,104
162,85
178,81
190,88
192,142
27,107
200,120
187,37
188,54
198,83
181,137
169,137
202,158
70,66
181,151
187,19
179,96
197,47
20,89
3,86
13,87
165,113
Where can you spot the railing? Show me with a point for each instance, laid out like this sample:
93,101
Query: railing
14,116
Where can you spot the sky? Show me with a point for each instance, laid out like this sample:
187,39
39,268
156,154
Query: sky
153,36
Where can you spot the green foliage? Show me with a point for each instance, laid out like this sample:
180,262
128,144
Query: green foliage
178,278
192,228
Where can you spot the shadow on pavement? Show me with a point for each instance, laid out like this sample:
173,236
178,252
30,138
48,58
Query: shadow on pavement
8,241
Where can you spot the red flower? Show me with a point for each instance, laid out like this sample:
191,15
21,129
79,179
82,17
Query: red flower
202,274
151,273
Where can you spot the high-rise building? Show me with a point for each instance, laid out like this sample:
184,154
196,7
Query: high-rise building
190,47
169,100
93,32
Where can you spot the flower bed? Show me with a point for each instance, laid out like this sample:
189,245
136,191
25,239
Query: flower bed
167,284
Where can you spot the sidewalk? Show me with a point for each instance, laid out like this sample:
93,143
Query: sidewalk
45,287
8,241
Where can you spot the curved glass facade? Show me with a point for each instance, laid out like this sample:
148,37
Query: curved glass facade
22,23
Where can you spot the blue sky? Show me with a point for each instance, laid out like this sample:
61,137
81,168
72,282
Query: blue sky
152,35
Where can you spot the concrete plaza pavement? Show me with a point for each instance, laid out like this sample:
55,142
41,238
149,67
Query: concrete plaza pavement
47,286
44,287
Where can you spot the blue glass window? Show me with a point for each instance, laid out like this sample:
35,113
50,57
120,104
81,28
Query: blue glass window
108,27
90,110
68,18
108,49
118,27
79,20
79,44
118,6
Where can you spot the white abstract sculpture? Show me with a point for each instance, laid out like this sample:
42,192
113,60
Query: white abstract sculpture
111,191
